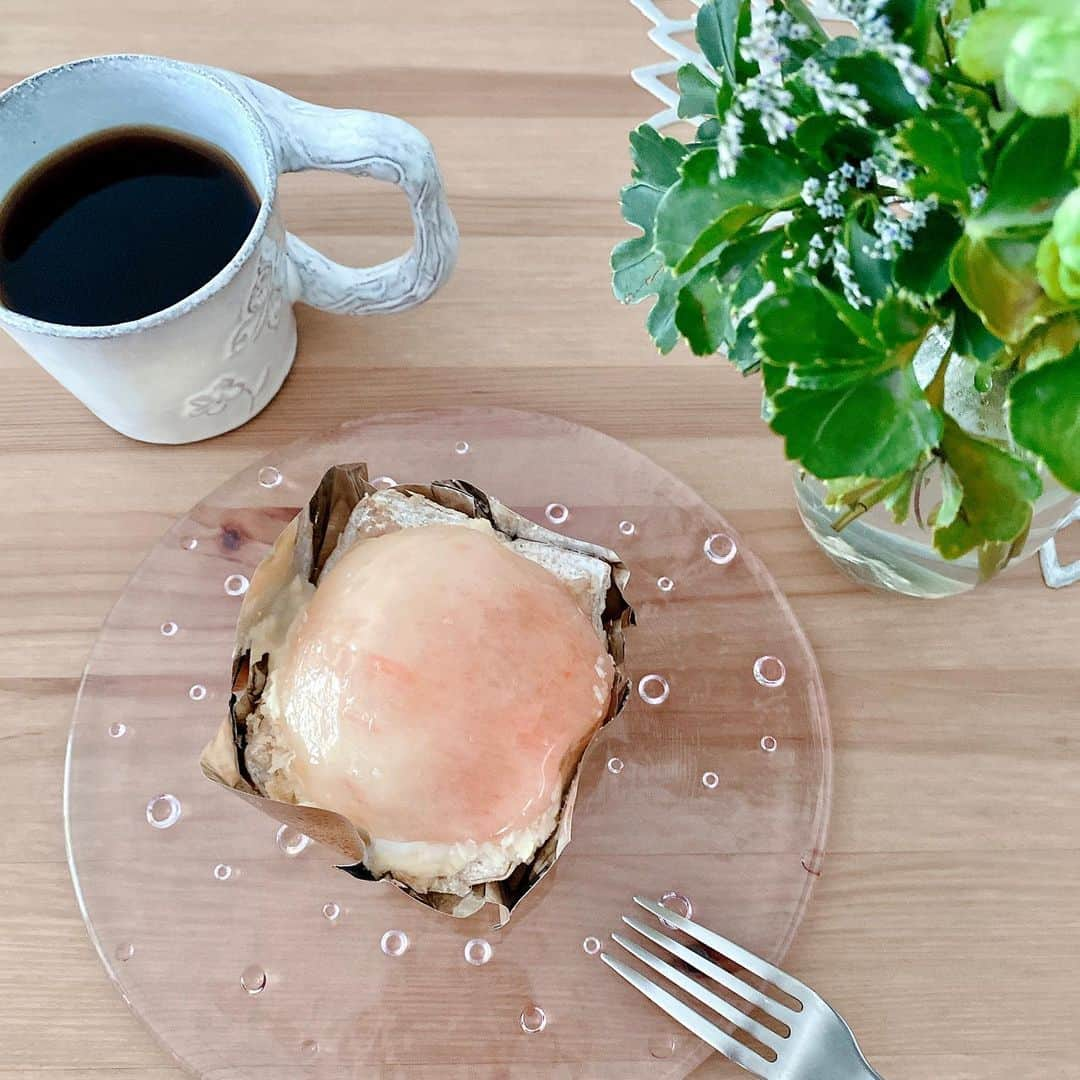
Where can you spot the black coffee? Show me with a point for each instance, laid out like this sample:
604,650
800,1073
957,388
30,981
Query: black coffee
120,225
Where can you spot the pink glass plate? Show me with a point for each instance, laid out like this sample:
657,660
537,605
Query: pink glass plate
250,956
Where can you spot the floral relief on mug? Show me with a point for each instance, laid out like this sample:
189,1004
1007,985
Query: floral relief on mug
264,302
222,392
263,309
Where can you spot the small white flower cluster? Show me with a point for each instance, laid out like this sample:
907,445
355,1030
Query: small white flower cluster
828,246
876,33
729,142
839,98
841,259
894,233
764,93
890,164
826,198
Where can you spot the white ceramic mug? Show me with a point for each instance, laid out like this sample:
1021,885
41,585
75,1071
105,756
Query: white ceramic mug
212,361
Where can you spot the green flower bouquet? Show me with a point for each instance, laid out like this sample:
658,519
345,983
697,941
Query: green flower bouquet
882,226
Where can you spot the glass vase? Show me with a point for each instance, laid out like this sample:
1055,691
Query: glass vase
874,550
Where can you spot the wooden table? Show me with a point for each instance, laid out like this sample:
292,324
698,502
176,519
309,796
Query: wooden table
946,926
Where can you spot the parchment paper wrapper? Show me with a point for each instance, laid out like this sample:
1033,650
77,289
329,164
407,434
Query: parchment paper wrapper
304,547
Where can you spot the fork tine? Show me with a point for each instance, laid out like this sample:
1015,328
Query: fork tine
707,967
706,997
762,968
677,1010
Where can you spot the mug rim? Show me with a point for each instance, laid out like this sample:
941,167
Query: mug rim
229,271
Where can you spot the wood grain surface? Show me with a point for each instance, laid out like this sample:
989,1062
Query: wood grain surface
946,925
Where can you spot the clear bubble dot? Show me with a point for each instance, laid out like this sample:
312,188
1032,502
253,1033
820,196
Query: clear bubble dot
675,901
188,543
331,912
710,780
720,549
556,513
665,584
533,1019
163,811
169,629
291,841
381,483
223,871
627,528
309,1048
653,689
770,671
461,447
197,692
117,730
663,1046
478,952
125,951
269,477
615,765
253,979
768,744
394,943
591,945
236,584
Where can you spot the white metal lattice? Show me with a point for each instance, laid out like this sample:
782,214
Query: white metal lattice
663,36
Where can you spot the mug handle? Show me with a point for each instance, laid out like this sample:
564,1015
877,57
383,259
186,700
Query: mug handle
363,144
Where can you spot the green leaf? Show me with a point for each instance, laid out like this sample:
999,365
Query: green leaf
1051,341
996,279
661,320
880,86
744,354
877,427
800,327
998,492
946,145
699,94
924,267
952,494
898,502
639,272
656,157
860,321
703,210
831,140
635,264
875,276
971,339
858,494
1030,177
701,313
735,257
911,22
1044,415
901,325
717,34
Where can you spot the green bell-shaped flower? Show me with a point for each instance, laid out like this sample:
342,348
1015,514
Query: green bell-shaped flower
1033,45
1058,261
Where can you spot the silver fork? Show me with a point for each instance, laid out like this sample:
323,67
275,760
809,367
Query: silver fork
819,1045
